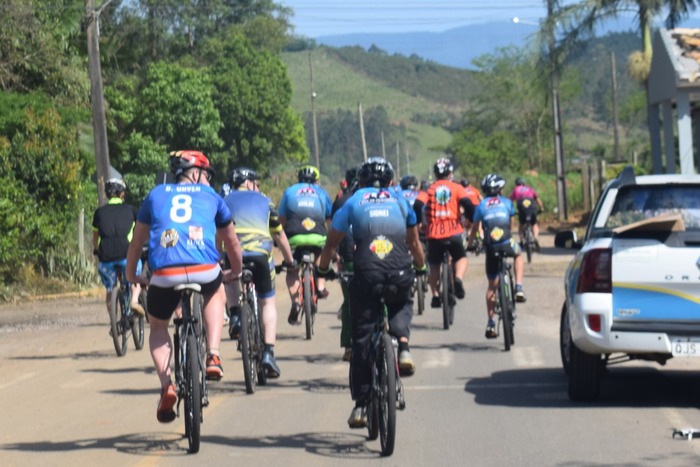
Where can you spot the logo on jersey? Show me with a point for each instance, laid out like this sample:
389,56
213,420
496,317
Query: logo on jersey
375,197
381,247
497,234
195,237
491,202
442,195
169,238
527,203
308,223
306,191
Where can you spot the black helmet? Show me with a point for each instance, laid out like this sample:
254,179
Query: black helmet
465,182
492,184
519,181
376,171
442,168
114,187
308,174
240,175
409,182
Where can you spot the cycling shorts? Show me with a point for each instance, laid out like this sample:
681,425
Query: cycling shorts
511,248
313,240
437,248
263,268
108,272
527,211
163,299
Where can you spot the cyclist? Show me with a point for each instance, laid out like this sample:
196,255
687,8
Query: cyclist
495,213
257,224
440,208
409,188
346,250
181,222
304,211
113,226
383,228
475,197
525,198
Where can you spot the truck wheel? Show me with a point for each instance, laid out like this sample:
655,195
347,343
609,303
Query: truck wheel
584,374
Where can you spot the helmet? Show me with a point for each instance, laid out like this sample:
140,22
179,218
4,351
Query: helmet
375,171
519,181
240,175
180,161
492,184
114,187
442,168
308,174
424,185
350,175
409,182
465,182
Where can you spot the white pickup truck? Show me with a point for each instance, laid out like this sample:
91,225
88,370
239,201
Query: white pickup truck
633,288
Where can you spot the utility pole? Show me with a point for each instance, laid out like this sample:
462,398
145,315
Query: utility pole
408,162
313,112
362,132
398,160
383,149
556,118
616,127
99,125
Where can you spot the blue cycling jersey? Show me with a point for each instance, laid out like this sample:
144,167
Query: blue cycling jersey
494,213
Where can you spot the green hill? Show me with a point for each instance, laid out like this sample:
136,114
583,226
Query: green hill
415,93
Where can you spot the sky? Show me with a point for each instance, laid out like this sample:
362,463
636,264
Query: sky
314,18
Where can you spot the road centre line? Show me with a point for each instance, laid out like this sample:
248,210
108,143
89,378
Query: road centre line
17,380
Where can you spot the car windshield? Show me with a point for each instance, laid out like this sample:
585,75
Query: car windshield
639,202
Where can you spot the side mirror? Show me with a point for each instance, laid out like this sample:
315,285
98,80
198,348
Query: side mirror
566,239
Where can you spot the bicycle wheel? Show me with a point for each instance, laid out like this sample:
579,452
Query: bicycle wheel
117,321
451,298
245,344
387,396
199,329
373,412
529,243
193,398
420,294
445,294
259,347
308,302
506,312
137,329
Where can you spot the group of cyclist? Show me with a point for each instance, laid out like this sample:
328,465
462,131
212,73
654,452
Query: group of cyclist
373,229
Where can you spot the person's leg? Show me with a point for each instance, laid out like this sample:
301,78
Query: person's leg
214,318
160,345
492,277
269,317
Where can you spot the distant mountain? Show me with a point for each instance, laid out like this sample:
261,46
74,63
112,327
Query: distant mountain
458,47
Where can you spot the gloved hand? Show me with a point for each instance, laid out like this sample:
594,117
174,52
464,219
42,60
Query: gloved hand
328,274
421,272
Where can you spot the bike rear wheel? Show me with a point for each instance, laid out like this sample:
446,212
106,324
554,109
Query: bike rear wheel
118,322
529,243
259,347
504,293
137,330
420,294
308,302
193,398
246,347
387,396
445,294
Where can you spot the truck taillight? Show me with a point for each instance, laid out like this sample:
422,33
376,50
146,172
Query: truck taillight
596,272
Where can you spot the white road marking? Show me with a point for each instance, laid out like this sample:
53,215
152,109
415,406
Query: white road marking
441,358
17,380
527,357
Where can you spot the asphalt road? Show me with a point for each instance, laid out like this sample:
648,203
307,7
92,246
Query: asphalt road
66,399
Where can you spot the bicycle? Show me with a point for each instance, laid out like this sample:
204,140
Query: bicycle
447,295
505,299
307,288
386,392
122,321
190,374
527,240
419,288
250,340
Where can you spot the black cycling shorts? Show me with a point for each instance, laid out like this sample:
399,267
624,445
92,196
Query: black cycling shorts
162,301
437,248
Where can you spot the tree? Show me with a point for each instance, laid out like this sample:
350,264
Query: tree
253,95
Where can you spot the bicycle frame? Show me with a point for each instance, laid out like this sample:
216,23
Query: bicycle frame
307,291
250,341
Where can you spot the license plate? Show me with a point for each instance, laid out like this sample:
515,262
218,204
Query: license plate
685,347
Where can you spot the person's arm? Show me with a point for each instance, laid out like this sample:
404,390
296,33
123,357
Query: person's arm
133,255
332,242
473,232
414,245
233,248
418,209
95,241
283,245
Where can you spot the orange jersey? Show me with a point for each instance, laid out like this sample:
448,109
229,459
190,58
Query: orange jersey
441,208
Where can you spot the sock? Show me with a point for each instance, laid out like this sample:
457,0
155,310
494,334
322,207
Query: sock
403,346
270,348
